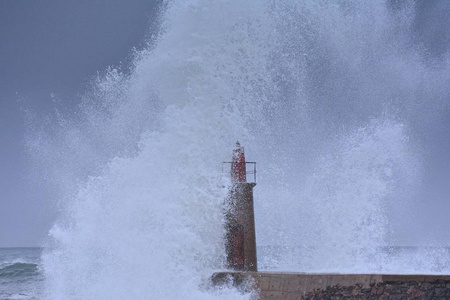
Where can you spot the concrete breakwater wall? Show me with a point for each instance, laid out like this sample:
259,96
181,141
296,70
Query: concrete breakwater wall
287,286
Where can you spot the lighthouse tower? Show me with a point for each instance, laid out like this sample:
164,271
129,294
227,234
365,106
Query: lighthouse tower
240,217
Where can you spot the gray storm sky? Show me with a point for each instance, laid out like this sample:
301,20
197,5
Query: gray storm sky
52,47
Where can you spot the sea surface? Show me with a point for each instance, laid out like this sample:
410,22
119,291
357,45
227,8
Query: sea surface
20,273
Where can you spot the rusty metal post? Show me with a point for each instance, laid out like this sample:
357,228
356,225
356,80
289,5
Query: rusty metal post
240,218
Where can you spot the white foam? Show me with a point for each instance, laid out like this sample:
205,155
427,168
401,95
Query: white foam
150,225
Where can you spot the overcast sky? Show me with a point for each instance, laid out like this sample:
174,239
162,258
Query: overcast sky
52,47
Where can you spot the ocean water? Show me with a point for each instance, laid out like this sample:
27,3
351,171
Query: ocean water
21,274
330,98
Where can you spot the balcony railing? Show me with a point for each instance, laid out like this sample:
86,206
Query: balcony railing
250,169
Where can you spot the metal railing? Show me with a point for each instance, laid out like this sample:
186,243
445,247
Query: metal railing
250,169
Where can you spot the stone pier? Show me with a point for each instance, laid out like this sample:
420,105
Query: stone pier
290,286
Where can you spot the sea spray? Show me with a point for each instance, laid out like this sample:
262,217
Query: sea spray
150,221
344,73
338,219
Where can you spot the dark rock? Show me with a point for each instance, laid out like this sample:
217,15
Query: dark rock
418,293
373,291
384,291
439,292
425,285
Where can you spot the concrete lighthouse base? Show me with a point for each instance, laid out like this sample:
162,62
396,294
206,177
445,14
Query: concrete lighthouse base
240,215
287,286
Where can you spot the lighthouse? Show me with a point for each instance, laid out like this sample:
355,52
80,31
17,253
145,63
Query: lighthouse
240,241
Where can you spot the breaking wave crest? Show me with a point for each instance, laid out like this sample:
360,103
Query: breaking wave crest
18,269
